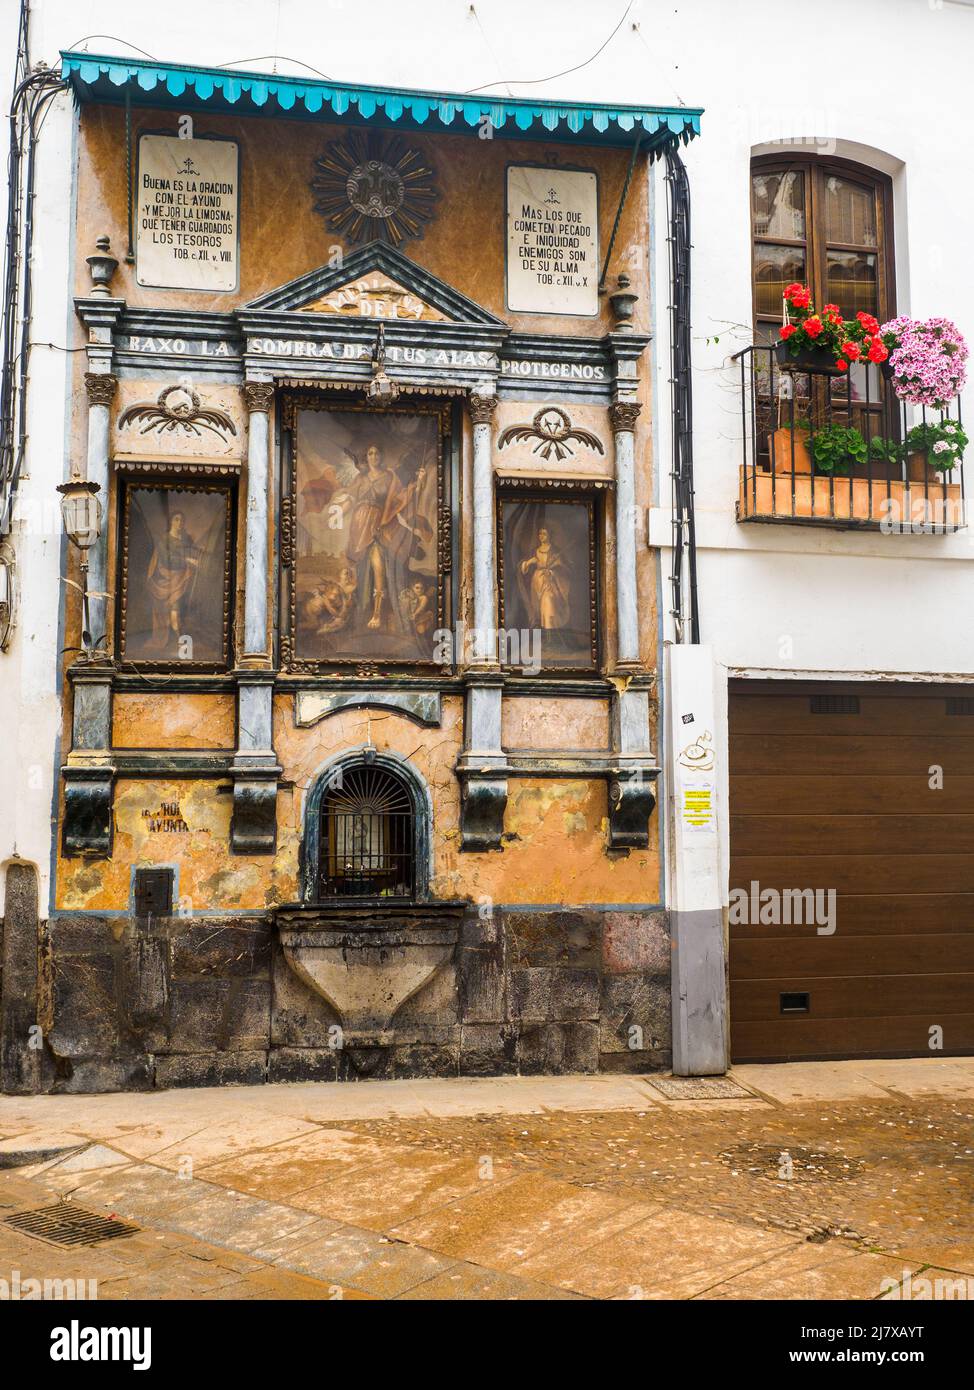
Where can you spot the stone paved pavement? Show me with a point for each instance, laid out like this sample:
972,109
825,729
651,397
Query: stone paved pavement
811,1180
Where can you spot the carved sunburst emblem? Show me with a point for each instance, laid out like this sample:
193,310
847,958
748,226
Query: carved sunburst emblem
370,188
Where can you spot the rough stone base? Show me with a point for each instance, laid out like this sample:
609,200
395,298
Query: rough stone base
132,1004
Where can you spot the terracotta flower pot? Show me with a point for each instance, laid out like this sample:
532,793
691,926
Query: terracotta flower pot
780,446
920,470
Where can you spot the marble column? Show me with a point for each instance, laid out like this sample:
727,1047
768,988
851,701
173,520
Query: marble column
253,828
101,387
259,396
482,407
623,417
482,766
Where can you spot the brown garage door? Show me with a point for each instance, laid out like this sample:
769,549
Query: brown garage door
867,790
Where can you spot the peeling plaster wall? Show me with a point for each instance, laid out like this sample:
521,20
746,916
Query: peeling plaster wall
186,720
554,830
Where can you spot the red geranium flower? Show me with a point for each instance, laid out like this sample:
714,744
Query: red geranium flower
841,363
813,326
870,324
802,298
788,330
877,353
852,350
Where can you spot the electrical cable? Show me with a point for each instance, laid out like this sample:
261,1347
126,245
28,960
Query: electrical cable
276,58
536,81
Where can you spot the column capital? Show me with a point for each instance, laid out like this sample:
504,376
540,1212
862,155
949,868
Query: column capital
482,408
623,416
258,396
101,387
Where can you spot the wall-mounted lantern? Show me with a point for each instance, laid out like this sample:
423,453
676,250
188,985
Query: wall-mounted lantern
81,513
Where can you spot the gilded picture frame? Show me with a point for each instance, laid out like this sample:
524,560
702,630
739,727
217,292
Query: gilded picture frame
548,582
175,574
366,533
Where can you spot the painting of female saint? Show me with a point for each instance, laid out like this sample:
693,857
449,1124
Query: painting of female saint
175,575
365,490
548,577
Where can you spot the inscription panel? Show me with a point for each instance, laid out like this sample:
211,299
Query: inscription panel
552,241
186,213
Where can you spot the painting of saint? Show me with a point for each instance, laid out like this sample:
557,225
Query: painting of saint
546,548
366,583
175,563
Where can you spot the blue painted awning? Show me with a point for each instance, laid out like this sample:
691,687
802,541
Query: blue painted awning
149,83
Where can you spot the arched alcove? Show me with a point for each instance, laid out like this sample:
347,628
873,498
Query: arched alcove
367,831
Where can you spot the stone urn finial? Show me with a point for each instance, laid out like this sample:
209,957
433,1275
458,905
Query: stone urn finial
623,303
102,266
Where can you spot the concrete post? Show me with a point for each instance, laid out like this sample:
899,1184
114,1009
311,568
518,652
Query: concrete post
700,1044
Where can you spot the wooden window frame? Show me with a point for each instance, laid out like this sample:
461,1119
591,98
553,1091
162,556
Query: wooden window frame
816,169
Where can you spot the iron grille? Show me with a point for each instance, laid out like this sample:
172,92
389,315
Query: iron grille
64,1224
819,449
960,704
368,837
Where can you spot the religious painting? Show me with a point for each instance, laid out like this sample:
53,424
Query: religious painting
175,574
366,535
548,594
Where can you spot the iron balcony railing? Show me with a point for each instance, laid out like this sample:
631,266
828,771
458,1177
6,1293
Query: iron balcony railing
840,450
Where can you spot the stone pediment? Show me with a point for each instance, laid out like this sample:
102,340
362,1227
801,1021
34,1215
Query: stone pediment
375,296
380,284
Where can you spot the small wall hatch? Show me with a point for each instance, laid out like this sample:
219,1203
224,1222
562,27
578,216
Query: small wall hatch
795,1003
153,892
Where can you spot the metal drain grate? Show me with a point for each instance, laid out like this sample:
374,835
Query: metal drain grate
63,1224
700,1088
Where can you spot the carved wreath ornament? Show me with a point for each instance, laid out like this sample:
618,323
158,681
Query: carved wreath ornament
177,410
555,433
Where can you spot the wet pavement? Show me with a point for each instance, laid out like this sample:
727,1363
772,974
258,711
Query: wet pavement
831,1180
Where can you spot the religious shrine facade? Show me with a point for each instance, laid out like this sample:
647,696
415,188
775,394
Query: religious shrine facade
359,765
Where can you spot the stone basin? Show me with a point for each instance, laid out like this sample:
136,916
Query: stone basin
367,961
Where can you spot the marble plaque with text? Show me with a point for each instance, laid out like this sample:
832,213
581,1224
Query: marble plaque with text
186,213
552,241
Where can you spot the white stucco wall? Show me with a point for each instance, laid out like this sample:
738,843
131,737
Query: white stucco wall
893,94
890,76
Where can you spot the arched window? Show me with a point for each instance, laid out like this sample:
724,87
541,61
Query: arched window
827,223
367,834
